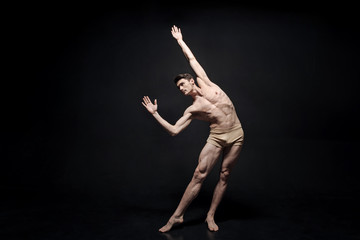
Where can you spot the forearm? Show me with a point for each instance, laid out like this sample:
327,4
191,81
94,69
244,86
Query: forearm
186,50
195,65
171,129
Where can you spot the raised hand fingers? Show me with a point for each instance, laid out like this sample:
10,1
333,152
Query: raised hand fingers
175,29
146,100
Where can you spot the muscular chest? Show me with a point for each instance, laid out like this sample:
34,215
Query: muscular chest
213,104
207,109
206,104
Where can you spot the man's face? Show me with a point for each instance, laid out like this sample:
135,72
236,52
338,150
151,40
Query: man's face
185,86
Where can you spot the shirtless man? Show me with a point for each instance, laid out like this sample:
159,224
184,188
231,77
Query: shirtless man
210,104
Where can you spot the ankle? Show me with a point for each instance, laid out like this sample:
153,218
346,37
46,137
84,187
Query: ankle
177,216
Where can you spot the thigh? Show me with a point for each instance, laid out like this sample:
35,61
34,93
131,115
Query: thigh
230,157
208,157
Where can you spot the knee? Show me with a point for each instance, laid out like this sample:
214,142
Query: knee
199,175
224,175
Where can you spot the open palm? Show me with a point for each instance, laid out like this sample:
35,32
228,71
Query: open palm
152,108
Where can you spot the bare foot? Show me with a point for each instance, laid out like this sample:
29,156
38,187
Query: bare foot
211,224
172,222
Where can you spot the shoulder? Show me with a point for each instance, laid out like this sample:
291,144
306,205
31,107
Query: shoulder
207,84
190,110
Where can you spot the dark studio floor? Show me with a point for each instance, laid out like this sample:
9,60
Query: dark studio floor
258,210
256,217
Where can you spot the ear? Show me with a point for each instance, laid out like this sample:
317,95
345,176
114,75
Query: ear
192,81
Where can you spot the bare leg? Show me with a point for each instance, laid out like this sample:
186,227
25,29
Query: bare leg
230,157
207,160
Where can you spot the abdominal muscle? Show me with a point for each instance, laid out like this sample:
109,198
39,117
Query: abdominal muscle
225,122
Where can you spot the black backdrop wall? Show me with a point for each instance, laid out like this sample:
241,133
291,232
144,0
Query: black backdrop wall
76,76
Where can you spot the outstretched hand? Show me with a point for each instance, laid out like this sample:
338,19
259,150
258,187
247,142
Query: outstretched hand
152,108
176,33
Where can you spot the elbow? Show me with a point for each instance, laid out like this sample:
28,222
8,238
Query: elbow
174,131
192,58
173,134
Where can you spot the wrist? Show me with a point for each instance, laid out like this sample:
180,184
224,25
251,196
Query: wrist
155,113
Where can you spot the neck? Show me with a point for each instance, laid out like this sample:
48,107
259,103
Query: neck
196,92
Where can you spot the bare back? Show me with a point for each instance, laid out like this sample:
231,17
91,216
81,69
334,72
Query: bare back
215,107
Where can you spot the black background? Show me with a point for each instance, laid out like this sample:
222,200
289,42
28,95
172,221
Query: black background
75,134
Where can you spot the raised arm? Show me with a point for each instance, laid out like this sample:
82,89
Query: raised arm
195,65
173,130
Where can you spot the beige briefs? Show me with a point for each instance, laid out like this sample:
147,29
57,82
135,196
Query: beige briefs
226,137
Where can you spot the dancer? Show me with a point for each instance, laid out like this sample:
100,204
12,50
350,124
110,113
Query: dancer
211,104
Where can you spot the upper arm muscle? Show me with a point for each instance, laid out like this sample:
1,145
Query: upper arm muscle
183,122
204,82
200,72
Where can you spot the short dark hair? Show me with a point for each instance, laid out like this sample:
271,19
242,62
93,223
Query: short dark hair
186,76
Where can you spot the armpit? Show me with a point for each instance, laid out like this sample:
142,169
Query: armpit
202,83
